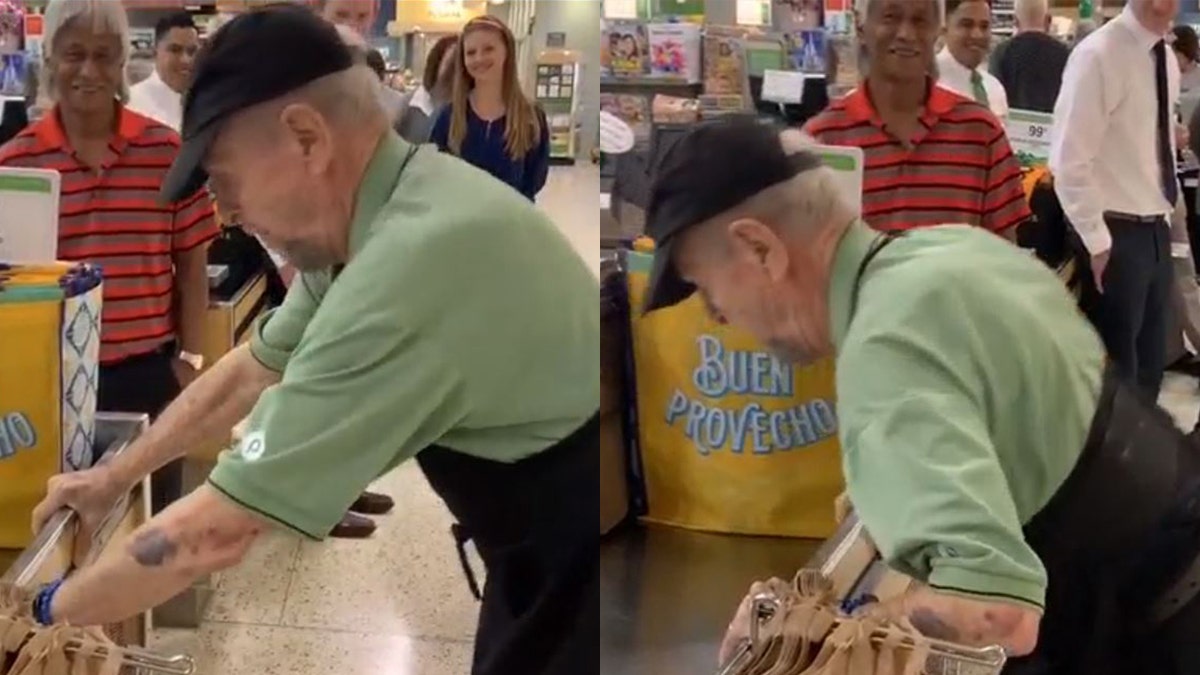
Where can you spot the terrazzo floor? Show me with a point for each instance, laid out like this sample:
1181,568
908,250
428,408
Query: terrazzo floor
394,604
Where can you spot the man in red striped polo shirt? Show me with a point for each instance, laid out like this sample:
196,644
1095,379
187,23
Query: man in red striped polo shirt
153,256
932,156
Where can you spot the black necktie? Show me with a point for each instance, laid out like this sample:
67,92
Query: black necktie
1166,158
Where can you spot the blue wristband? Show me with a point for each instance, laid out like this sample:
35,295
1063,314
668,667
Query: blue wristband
43,601
852,605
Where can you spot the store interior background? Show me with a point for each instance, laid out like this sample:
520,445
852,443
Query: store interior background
398,602
404,31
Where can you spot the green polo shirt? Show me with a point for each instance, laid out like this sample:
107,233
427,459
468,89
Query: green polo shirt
966,386
464,318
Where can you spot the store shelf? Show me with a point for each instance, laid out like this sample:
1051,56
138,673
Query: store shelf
557,91
646,82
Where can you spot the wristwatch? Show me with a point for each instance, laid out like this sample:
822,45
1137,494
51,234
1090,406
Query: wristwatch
196,361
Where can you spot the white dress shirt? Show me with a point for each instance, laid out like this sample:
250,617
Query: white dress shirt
154,99
1104,143
956,77
422,100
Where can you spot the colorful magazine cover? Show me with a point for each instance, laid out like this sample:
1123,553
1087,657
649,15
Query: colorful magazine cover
632,109
724,66
675,50
14,73
807,51
628,49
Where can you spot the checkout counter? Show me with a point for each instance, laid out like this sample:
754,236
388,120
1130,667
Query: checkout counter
51,555
232,310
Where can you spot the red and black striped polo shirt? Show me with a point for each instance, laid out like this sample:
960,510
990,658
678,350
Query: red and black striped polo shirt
112,218
959,167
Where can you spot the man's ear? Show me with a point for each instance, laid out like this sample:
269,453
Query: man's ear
755,243
309,131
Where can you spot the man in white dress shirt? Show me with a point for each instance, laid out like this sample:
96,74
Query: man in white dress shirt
160,96
1113,158
962,63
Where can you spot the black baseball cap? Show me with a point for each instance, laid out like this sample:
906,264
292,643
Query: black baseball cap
708,171
258,56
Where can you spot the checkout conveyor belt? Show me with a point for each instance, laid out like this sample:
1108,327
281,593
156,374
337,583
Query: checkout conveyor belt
667,595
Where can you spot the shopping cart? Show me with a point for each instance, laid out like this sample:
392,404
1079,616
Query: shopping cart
848,562
945,658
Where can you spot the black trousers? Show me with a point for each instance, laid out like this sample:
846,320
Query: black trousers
145,384
1115,535
1131,314
534,525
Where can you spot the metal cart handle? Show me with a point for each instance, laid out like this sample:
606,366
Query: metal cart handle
62,523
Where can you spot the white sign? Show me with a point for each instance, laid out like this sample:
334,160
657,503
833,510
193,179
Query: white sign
847,165
782,86
616,137
29,215
1029,135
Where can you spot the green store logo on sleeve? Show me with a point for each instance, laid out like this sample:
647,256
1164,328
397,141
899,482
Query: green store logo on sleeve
16,434
751,423
253,445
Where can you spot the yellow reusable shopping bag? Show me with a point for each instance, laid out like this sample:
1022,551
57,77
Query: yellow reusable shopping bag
49,358
731,439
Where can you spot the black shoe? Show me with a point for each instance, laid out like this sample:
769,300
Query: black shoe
1186,365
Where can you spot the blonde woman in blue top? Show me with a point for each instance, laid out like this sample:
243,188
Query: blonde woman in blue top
490,122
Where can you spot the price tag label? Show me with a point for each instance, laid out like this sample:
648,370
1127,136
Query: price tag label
1029,135
783,86
847,165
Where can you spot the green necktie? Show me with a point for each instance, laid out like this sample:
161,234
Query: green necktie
977,88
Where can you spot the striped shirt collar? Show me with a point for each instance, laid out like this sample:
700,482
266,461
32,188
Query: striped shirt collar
51,135
938,102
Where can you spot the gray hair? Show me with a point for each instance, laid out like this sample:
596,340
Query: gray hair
801,205
1031,12
351,37
321,4
862,6
104,16
348,99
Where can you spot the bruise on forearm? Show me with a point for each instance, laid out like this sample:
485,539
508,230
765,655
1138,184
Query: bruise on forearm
965,621
931,625
195,536
204,549
153,548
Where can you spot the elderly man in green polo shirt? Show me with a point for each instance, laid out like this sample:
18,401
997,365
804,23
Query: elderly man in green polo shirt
1039,502
460,332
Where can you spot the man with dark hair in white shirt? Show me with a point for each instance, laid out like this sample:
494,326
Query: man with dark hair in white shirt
962,63
160,96
1113,159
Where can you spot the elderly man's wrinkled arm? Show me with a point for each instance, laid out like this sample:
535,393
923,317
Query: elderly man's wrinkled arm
203,533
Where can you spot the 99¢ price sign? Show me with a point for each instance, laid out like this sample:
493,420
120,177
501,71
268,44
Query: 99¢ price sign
1029,135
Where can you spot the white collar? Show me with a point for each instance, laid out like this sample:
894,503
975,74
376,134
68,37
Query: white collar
158,83
423,100
1145,37
945,58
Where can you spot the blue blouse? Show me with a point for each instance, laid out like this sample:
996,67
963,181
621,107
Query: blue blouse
483,147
